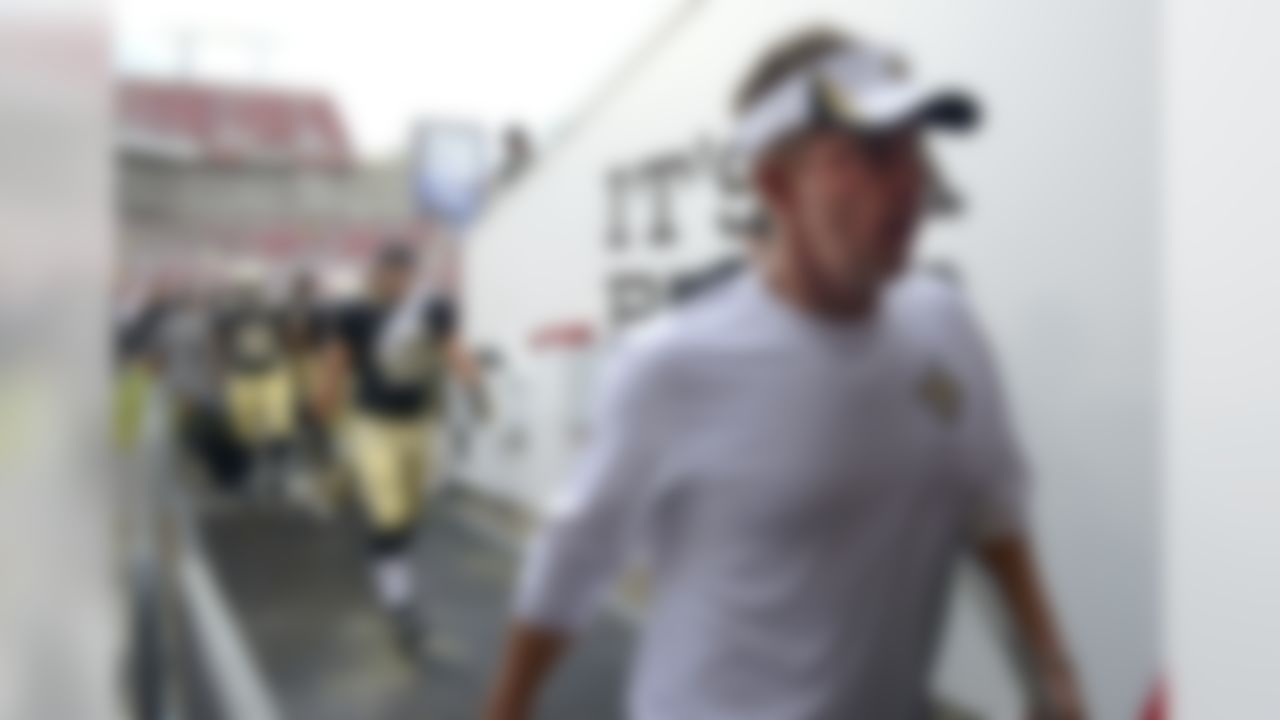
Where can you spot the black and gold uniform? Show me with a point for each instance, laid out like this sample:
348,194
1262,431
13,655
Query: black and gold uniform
395,400
259,392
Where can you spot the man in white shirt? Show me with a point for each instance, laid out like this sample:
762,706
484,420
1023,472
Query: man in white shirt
804,453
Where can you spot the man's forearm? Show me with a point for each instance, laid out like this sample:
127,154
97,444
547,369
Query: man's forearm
331,386
325,397
1012,565
467,371
531,654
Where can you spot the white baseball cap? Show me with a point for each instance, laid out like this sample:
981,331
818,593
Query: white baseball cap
863,88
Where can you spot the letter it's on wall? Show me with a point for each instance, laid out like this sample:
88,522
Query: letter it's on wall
616,187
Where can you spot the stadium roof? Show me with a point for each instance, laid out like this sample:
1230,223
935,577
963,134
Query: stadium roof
204,122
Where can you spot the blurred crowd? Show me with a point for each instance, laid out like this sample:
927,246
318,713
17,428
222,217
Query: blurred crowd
234,354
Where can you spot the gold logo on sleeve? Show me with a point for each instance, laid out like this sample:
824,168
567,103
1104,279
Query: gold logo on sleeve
836,101
941,394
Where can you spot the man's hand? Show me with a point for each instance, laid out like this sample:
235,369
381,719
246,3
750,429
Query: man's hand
467,371
501,708
1062,694
1059,695
531,654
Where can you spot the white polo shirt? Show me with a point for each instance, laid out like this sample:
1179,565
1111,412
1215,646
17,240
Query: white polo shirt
800,490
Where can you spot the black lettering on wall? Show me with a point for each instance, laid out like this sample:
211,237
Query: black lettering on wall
643,196
616,189
660,174
634,296
650,187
